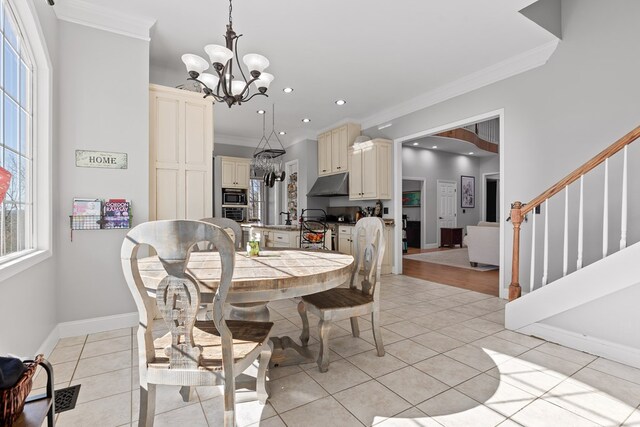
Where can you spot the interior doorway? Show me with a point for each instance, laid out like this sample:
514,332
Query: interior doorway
447,216
491,197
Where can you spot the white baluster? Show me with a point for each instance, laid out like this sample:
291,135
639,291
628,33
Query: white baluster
623,232
605,215
580,224
545,260
565,258
532,279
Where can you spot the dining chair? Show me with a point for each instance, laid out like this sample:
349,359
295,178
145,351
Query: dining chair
227,224
349,303
192,353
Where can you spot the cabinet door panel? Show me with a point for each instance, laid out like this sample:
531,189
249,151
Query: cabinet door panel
369,172
196,135
340,149
242,175
166,132
324,154
167,206
355,174
195,196
228,174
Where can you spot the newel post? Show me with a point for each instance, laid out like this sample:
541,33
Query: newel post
516,218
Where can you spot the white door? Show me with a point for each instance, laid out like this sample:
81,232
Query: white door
447,214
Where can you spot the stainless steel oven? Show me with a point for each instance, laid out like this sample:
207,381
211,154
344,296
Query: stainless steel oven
234,196
236,214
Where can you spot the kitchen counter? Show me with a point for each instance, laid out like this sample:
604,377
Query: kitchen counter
296,227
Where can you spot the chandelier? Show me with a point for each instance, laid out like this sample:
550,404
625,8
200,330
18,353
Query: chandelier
224,86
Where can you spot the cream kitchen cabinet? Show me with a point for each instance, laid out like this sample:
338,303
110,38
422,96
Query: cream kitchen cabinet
333,149
346,244
370,170
180,154
235,172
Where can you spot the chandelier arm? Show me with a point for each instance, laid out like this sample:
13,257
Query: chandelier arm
255,94
238,61
223,80
246,89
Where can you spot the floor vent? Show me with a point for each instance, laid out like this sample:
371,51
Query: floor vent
66,398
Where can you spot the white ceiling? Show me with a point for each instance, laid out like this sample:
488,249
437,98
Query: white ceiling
376,55
448,145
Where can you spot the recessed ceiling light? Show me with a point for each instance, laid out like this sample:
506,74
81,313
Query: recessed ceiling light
471,153
287,90
341,102
435,146
260,111
415,143
282,132
305,120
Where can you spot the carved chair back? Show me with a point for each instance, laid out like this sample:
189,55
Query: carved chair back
178,296
369,251
227,224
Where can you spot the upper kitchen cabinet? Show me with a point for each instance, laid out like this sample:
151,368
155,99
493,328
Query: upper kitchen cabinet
180,154
370,170
333,149
235,172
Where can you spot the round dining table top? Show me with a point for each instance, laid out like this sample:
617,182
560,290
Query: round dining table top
275,274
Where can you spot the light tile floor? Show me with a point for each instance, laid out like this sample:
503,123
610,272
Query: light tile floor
449,362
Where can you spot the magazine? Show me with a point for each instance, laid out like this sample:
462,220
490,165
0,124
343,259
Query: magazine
116,213
86,214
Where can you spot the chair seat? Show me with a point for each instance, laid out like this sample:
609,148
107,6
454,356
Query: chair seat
338,298
247,336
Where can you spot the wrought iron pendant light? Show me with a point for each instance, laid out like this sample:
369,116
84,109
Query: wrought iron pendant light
224,86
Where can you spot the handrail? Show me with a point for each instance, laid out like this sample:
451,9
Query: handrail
588,166
519,210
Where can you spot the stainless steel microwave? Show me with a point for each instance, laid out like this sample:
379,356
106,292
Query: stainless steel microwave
234,197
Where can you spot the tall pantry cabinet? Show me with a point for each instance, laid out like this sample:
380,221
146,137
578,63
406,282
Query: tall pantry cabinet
180,154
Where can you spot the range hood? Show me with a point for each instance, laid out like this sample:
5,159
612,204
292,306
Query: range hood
331,185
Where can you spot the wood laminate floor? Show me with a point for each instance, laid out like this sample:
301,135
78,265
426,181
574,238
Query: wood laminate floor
485,282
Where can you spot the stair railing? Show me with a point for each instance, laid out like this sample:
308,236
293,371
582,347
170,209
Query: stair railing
519,211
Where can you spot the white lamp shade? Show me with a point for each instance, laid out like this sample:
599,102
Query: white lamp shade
264,80
209,80
218,54
255,62
194,63
237,86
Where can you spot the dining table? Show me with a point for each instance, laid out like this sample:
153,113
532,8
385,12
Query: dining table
274,274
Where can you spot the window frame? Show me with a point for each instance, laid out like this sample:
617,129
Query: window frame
25,14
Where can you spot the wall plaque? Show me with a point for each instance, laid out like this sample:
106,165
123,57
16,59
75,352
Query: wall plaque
101,159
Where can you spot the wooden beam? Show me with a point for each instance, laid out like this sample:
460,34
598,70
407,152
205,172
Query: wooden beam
468,136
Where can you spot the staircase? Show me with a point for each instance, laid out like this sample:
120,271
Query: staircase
579,296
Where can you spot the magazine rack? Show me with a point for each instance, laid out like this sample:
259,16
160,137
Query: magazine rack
93,222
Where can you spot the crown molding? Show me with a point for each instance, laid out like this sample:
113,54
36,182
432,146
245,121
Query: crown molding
104,18
502,70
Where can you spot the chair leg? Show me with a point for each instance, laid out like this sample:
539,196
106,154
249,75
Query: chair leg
261,379
355,330
229,400
147,405
304,336
377,333
186,392
324,327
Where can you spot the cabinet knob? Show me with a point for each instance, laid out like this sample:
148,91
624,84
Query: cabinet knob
338,167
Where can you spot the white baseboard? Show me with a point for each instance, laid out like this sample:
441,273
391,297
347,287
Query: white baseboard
50,342
596,346
430,246
97,324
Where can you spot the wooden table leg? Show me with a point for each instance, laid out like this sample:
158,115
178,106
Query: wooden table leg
285,350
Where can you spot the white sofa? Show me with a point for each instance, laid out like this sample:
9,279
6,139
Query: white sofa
483,242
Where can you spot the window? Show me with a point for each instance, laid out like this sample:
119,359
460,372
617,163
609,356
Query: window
16,150
257,200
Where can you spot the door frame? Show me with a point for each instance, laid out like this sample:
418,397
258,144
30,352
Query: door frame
483,201
438,182
397,186
423,209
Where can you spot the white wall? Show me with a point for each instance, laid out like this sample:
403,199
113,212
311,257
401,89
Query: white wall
557,117
28,299
434,165
104,105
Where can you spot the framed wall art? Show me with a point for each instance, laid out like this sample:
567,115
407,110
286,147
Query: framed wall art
468,193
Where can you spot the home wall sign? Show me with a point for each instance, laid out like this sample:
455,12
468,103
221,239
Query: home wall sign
101,159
